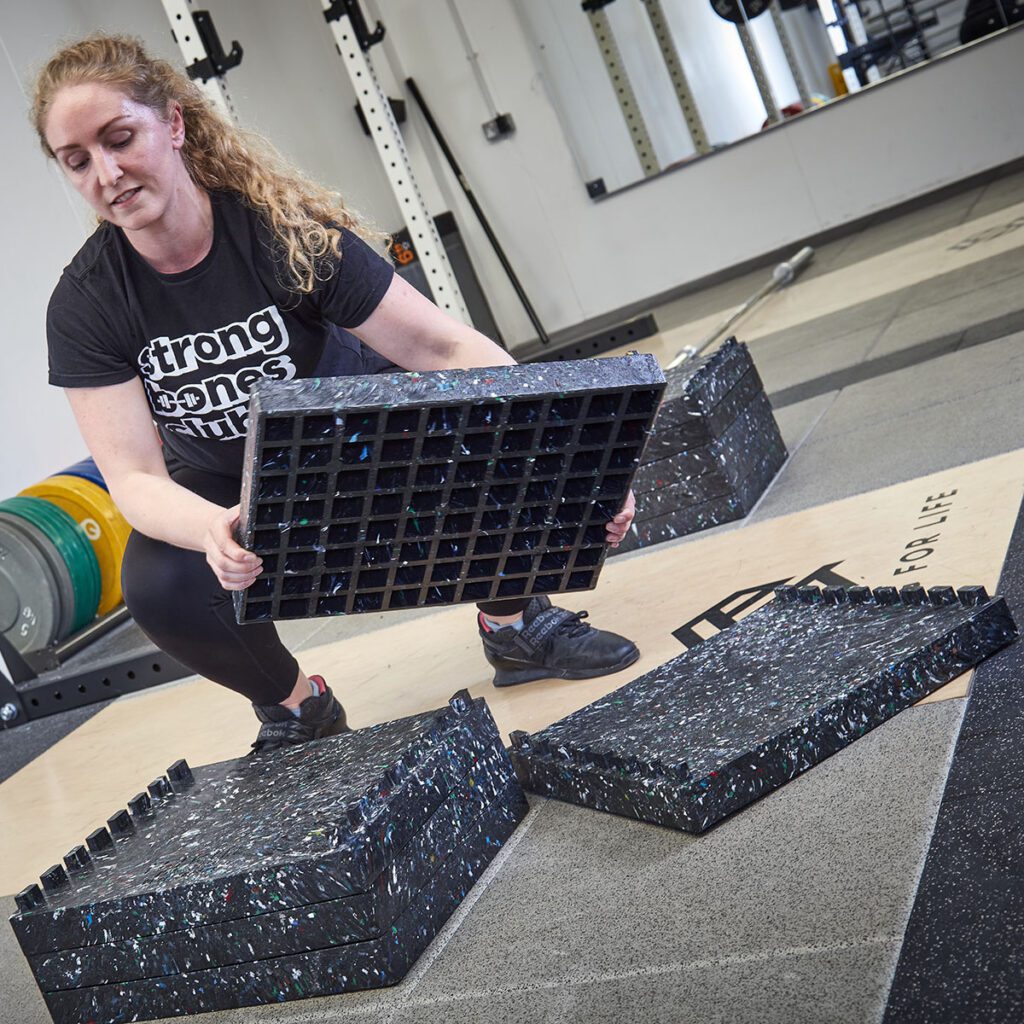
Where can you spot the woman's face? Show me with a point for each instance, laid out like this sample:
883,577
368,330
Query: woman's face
119,155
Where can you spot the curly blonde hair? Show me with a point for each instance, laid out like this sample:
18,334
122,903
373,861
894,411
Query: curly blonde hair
304,217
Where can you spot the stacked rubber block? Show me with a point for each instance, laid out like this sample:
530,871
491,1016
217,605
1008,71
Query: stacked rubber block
62,542
757,704
399,490
715,447
310,871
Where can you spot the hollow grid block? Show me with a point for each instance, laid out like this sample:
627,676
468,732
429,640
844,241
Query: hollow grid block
321,869
717,727
408,489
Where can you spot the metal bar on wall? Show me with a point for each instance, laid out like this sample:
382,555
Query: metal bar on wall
391,149
186,35
779,21
771,108
623,89
670,55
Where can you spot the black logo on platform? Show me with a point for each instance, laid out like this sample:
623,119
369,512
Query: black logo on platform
989,234
724,614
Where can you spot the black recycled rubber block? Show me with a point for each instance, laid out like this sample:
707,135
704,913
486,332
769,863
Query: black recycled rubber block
757,704
406,489
759,470
697,431
220,849
327,971
674,511
356,918
759,465
726,508
694,389
733,504
731,457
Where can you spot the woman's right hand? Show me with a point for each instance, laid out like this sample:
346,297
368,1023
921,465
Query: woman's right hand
234,567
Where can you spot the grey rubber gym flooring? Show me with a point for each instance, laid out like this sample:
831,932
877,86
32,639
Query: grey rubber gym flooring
797,910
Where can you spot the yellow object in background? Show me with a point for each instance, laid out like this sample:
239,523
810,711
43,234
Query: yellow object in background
94,510
835,72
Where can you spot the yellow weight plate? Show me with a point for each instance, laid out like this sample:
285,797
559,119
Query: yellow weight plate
93,509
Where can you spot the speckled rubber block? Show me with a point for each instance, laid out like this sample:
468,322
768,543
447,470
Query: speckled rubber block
242,838
759,466
327,971
698,431
400,490
690,517
357,918
732,457
757,704
694,389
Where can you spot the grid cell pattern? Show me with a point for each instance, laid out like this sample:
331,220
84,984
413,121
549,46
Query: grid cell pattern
397,505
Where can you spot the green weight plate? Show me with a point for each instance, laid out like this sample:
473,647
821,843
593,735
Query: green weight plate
28,604
74,547
83,565
61,577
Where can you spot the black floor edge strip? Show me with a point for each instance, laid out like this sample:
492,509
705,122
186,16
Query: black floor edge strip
962,958
990,330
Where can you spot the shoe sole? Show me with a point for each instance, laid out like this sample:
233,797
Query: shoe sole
516,677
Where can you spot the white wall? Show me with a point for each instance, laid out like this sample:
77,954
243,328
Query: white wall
44,225
578,259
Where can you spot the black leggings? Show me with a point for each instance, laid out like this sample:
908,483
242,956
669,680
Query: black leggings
175,599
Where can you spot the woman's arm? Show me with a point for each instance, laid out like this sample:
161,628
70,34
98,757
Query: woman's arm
411,331
117,427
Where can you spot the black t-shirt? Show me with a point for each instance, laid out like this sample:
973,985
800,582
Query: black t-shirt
200,339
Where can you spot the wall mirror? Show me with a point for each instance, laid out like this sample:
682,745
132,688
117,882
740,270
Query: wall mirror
644,86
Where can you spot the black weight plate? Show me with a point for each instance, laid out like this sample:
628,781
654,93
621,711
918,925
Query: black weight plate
60,575
29,605
732,10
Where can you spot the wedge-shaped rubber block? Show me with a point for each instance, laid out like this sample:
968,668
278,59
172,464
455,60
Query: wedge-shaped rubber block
757,704
355,918
694,389
692,517
698,431
383,960
726,461
262,834
398,490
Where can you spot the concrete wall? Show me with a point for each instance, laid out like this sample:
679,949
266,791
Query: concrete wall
578,259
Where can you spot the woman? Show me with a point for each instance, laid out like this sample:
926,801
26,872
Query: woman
215,265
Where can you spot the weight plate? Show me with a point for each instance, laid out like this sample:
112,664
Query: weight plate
94,510
732,10
60,577
28,604
87,470
74,547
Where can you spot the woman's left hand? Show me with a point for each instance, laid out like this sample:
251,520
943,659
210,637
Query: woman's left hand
619,526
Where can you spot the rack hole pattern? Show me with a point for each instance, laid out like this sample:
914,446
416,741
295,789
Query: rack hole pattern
374,509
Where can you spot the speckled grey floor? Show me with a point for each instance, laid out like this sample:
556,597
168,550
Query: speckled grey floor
793,910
